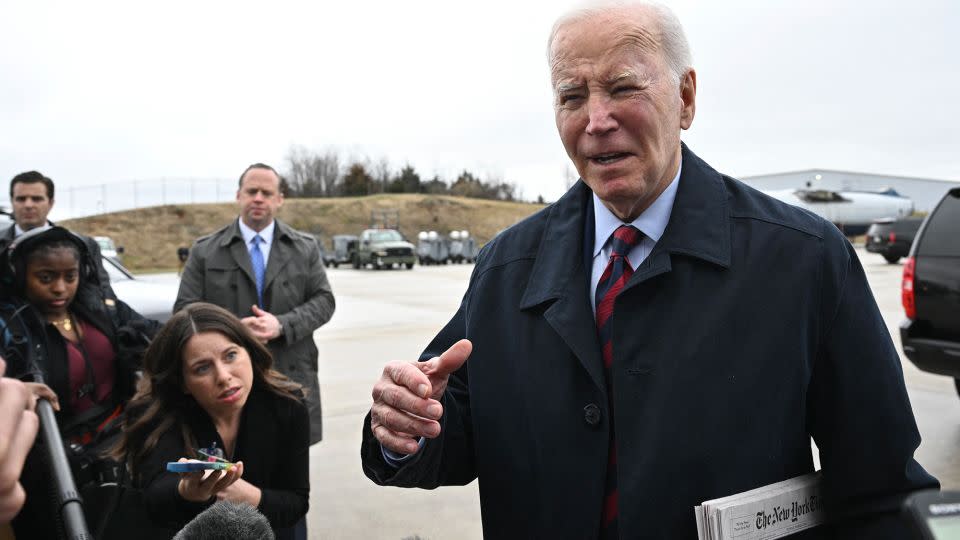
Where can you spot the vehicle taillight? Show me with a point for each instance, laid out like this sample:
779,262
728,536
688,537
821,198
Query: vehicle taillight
893,237
906,289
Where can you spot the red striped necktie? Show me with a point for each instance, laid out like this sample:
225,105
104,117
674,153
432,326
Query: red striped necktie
612,281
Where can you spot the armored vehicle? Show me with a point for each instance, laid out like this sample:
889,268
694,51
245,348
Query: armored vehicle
344,247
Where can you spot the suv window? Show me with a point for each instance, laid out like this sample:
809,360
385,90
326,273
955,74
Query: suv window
940,236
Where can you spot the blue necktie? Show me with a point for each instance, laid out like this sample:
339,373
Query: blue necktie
259,268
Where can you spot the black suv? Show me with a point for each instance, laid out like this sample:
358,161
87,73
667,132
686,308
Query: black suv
931,292
892,237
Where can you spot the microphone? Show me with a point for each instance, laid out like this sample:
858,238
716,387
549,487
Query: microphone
227,520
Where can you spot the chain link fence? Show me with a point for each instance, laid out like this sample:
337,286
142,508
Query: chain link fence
80,201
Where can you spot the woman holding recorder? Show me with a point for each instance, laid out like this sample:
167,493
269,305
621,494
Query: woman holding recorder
209,389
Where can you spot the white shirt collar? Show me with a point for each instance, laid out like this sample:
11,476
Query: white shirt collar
651,222
248,233
17,231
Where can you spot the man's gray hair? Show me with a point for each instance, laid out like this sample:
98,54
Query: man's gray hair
673,40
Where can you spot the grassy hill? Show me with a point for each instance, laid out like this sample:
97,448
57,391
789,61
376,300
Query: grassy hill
152,235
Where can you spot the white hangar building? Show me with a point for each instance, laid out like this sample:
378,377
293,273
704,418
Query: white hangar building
924,192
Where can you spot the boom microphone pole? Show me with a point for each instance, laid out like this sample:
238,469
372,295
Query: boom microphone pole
68,499
69,503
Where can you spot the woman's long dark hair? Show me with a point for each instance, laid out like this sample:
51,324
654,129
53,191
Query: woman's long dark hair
160,403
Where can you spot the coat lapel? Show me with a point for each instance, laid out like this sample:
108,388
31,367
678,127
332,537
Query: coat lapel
560,278
238,250
699,223
699,227
279,254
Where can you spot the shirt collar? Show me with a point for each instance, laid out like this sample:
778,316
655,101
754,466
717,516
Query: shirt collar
651,222
248,233
17,231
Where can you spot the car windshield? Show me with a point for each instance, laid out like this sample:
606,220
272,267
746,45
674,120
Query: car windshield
106,244
385,236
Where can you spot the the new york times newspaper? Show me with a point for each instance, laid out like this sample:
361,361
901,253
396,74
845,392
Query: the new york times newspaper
764,513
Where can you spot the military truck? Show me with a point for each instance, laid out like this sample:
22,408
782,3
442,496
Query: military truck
344,247
382,248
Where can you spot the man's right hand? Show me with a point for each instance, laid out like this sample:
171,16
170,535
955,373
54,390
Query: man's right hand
406,402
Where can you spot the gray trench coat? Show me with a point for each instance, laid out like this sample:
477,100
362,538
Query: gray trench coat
295,290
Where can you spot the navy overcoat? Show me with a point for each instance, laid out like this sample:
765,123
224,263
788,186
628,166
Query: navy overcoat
750,328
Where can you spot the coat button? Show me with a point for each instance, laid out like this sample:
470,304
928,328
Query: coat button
591,414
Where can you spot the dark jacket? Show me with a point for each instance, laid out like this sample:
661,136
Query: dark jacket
295,290
748,329
273,443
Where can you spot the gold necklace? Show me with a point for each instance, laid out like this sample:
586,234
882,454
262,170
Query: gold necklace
66,323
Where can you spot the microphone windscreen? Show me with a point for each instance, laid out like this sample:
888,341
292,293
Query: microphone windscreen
227,520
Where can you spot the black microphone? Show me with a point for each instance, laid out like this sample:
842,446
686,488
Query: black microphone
227,520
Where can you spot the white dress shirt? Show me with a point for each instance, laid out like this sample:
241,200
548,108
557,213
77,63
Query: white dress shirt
266,234
17,231
651,223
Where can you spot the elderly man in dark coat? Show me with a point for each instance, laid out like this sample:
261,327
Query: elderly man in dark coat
660,336
271,276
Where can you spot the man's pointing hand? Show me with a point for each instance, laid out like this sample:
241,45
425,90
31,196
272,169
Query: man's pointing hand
406,402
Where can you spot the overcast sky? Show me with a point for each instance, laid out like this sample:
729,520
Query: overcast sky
112,92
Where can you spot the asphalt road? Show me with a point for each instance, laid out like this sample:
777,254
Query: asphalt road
387,315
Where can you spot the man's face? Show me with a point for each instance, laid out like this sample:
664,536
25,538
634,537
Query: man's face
30,204
259,198
618,108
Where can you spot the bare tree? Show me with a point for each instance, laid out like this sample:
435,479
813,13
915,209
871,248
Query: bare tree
311,174
327,170
381,175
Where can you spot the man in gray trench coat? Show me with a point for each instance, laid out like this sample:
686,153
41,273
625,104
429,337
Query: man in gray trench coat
293,297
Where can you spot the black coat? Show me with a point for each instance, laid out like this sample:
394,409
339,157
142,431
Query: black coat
748,329
273,443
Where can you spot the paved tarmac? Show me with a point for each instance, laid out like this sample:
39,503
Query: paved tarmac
387,315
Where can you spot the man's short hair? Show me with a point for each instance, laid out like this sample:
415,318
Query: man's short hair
32,177
673,40
263,166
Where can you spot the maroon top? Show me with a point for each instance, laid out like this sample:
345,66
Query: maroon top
101,355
